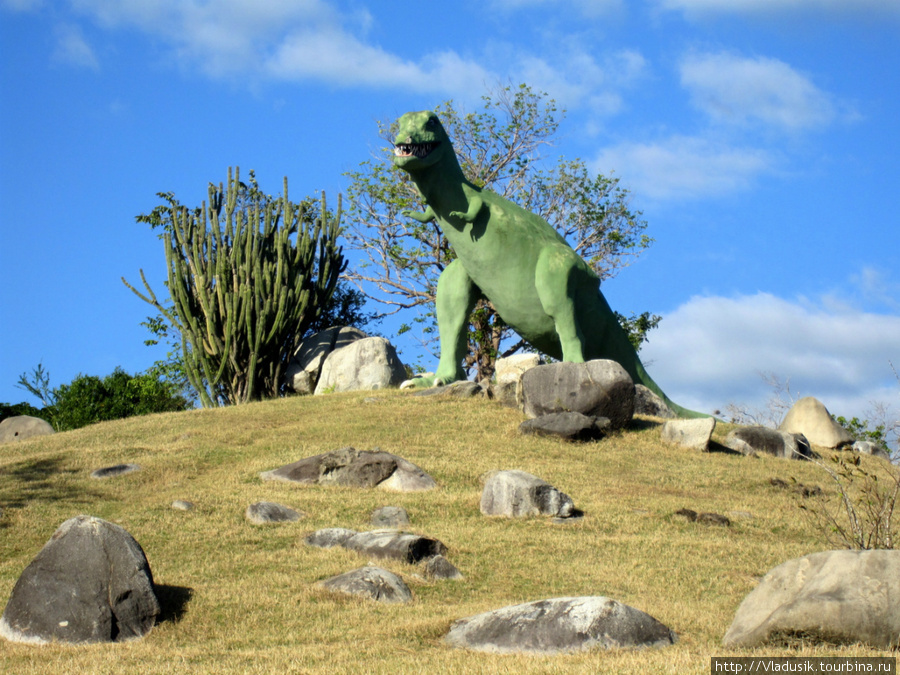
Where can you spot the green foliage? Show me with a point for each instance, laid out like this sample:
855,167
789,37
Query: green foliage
88,399
637,326
23,408
498,146
248,274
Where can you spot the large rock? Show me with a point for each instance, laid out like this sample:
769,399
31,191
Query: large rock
516,494
90,583
762,440
370,363
355,468
809,417
569,426
693,434
394,545
839,597
23,426
370,582
560,625
303,371
598,388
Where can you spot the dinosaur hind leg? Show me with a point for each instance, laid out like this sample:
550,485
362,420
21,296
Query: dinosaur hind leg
557,280
456,298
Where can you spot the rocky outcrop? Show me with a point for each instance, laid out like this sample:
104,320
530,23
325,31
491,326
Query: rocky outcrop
762,440
836,597
355,468
303,371
599,388
560,625
21,427
810,417
90,583
517,494
370,582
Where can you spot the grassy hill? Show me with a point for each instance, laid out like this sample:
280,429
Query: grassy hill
240,598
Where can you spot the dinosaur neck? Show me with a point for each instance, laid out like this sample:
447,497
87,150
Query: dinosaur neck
439,180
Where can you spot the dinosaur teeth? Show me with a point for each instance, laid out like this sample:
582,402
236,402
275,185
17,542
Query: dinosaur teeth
418,150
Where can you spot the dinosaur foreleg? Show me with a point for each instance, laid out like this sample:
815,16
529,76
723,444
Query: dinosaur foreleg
556,280
456,298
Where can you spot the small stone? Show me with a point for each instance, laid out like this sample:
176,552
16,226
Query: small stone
116,470
390,517
329,537
438,567
370,582
270,512
182,505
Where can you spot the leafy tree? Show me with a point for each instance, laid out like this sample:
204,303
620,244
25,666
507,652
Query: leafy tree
498,146
88,399
248,274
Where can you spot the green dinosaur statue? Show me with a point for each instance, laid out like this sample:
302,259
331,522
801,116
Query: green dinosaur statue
537,283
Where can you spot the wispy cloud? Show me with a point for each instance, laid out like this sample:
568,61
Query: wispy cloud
762,7
711,350
72,48
732,89
684,167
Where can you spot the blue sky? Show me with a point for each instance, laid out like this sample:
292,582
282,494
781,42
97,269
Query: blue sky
760,138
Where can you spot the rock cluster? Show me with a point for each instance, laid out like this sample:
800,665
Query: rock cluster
344,359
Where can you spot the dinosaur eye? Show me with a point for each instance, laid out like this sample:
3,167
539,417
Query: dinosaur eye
430,122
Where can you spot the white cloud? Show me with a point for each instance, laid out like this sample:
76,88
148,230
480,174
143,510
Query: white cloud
759,7
711,351
684,167
737,90
73,48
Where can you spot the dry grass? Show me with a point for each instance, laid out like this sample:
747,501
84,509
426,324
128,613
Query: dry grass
241,598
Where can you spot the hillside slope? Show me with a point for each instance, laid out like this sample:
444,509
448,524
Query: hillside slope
240,598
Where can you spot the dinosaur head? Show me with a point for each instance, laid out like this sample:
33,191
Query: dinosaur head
420,142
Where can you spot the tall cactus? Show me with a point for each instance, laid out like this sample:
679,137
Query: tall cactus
247,275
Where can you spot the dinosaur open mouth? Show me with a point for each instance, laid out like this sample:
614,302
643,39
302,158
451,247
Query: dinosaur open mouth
419,150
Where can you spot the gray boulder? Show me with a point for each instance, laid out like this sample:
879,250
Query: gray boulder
370,582
870,448
355,468
366,364
840,597
569,426
394,545
599,388
762,440
464,389
329,537
647,402
303,371
810,417
390,517
20,427
517,494
560,625
90,583
262,513
693,434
